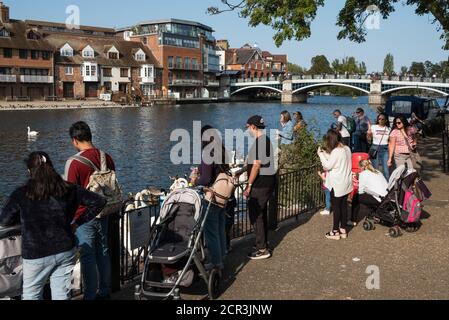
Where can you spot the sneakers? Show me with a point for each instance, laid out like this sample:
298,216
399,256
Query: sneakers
260,255
325,213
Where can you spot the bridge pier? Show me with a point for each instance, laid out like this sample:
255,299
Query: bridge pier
377,99
289,97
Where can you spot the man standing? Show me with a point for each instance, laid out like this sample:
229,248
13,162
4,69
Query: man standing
342,127
363,125
261,184
93,236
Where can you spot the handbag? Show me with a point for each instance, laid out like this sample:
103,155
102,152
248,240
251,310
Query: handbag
415,157
222,190
374,152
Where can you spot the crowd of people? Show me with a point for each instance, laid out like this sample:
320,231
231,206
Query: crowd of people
60,217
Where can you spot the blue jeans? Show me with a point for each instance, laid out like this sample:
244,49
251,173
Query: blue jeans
328,200
360,144
94,256
58,268
215,234
382,160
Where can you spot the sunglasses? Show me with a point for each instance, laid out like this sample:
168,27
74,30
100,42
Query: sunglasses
398,122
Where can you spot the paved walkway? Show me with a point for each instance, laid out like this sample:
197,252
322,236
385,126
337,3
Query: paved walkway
307,266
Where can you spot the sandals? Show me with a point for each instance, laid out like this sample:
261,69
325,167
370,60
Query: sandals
333,235
343,235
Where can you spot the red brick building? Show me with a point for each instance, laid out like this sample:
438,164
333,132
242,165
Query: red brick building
26,61
187,52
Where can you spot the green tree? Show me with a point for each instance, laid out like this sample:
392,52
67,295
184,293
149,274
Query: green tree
418,69
295,69
291,19
389,64
404,70
320,65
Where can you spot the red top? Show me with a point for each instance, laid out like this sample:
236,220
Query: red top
78,173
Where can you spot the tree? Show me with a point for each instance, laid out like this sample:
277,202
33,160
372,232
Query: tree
320,65
389,64
418,69
295,69
404,70
349,65
291,19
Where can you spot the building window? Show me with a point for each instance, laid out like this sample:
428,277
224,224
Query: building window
34,54
140,57
170,62
178,62
68,71
7,52
187,63
45,55
107,72
124,73
108,85
113,55
93,71
33,36
4,33
88,53
147,72
144,40
195,64
67,51
23,54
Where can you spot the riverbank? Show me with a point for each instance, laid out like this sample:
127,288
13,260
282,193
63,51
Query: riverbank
306,266
58,105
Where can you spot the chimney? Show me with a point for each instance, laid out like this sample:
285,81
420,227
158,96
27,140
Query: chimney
4,13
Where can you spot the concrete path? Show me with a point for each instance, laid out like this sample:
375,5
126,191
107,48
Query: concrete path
307,266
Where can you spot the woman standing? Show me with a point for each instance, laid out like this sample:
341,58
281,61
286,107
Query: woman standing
402,147
380,134
300,123
46,207
286,134
338,164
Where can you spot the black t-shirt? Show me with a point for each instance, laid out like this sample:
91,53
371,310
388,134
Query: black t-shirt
262,150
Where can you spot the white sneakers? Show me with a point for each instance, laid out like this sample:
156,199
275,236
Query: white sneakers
325,213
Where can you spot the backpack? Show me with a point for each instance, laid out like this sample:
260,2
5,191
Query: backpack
411,209
351,125
221,191
104,182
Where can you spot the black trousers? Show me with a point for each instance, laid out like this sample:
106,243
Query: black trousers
367,204
258,215
340,208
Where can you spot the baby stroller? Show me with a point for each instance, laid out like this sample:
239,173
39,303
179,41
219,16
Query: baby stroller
176,244
401,208
10,262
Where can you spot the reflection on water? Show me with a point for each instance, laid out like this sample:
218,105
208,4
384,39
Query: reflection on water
139,139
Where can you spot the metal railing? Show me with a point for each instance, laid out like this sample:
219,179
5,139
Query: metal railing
297,192
36,79
8,78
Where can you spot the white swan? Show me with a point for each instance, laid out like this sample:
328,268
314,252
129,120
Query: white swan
32,133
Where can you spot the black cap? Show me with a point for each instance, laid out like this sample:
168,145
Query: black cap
360,110
256,121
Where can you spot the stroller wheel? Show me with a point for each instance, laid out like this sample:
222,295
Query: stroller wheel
395,232
368,225
214,284
412,228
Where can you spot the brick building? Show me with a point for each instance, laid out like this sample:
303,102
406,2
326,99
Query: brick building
26,60
187,52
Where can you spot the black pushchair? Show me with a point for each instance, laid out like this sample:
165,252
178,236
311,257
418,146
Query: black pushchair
10,262
391,211
177,244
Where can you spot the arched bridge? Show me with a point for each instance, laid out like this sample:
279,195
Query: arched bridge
378,89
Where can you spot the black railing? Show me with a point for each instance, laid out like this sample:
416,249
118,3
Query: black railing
297,192
446,144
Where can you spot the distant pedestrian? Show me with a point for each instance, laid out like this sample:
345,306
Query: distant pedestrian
286,134
338,163
380,134
261,184
46,208
342,128
93,236
300,123
360,136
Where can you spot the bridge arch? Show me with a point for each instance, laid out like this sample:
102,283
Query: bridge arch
329,84
256,87
386,92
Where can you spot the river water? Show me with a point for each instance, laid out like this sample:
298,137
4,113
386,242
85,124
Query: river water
139,139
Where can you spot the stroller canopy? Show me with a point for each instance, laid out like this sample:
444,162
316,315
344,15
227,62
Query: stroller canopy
188,196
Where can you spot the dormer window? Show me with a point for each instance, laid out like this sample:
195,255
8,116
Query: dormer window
4,33
66,51
113,55
31,35
112,52
140,55
88,52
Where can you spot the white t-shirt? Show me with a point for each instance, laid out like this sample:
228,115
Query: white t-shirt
344,131
380,135
373,184
338,164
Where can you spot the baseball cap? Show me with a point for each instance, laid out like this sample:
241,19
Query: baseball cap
257,121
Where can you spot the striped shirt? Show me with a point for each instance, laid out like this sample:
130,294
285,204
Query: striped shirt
401,144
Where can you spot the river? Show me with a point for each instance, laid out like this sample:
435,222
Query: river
139,139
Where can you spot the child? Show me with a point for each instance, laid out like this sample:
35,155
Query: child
327,192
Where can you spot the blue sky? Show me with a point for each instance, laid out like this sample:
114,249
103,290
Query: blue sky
407,36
